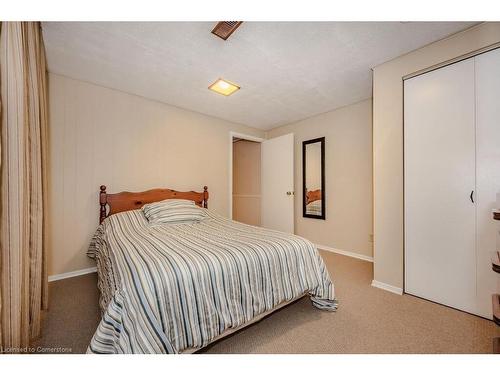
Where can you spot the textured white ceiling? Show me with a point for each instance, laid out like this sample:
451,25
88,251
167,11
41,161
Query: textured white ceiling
287,71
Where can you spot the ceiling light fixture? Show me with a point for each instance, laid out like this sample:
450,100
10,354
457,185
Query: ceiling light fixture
223,87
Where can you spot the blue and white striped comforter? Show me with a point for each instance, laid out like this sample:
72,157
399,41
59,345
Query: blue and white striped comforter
166,288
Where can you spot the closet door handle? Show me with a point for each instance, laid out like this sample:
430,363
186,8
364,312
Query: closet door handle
472,196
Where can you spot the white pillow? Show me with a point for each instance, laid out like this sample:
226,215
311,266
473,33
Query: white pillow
172,211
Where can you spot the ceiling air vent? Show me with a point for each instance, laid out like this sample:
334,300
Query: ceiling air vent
224,29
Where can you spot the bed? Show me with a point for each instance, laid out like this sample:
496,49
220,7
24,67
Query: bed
175,288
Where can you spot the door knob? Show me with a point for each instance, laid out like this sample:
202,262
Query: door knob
289,193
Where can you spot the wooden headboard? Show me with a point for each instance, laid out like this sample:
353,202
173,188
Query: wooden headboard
126,201
313,195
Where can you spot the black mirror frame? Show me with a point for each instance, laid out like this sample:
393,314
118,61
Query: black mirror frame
323,201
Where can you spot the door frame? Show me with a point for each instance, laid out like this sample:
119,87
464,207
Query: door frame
246,137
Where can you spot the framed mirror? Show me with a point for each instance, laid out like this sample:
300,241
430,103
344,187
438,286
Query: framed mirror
313,178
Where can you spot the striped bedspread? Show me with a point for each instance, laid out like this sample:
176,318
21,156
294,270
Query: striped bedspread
170,287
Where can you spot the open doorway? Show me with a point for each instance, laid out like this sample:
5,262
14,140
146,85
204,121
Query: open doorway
246,179
261,181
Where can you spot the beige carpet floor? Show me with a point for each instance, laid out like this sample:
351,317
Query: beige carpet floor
369,320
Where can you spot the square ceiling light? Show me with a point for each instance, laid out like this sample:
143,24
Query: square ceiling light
223,87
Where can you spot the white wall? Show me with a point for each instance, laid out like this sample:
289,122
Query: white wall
348,175
103,136
388,141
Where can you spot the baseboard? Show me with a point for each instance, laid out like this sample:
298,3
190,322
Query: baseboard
387,287
346,253
72,274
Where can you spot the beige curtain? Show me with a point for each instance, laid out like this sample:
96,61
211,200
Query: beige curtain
23,100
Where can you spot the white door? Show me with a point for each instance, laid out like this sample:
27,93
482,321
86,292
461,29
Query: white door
277,183
487,174
439,177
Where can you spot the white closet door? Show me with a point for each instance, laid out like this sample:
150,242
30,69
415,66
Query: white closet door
487,173
439,162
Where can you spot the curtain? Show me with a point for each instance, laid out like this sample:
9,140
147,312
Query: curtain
23,183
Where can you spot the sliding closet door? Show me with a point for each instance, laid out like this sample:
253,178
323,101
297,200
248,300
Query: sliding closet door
439,176
488,173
